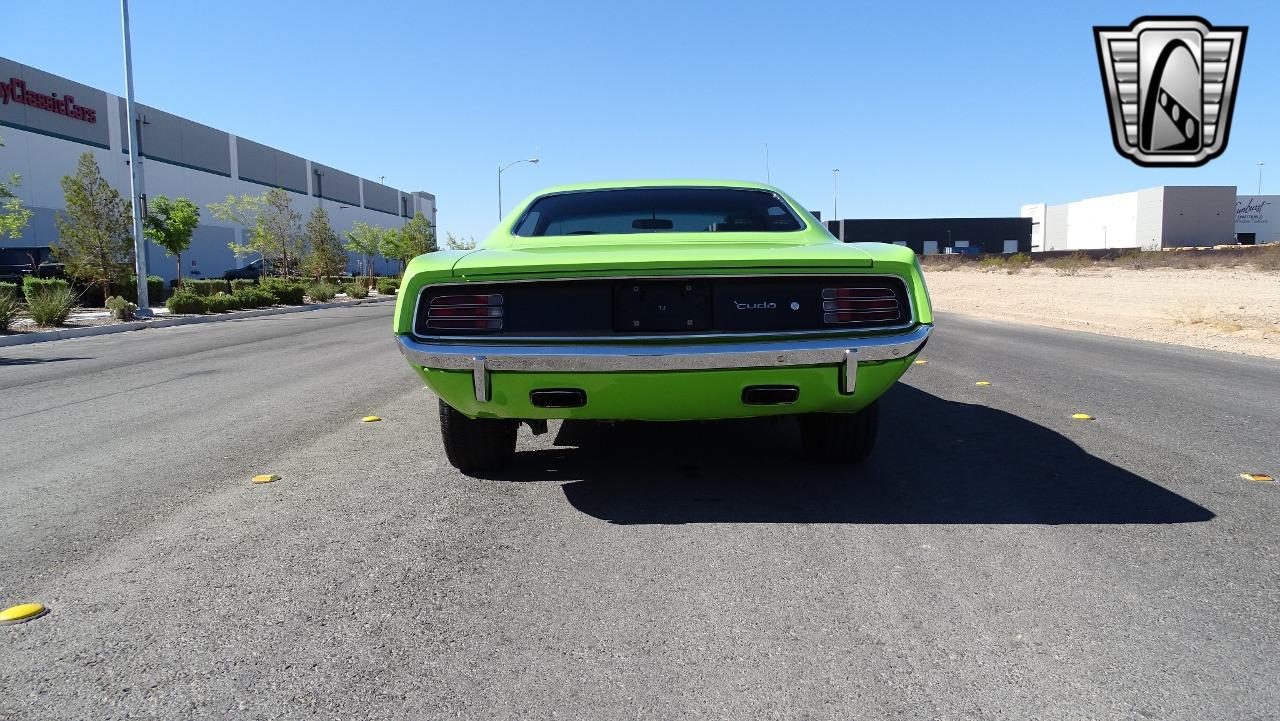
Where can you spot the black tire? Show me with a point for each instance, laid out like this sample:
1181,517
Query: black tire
845,438
476,444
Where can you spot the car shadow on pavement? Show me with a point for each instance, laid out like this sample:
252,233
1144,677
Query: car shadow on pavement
937,461
38,361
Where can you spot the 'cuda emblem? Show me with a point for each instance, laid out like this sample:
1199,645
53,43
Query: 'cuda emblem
763,305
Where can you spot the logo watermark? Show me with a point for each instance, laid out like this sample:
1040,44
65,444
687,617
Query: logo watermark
1170,84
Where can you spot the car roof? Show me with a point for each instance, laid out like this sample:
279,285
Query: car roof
659,183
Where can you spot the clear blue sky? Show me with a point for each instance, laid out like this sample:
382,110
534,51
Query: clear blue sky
928,109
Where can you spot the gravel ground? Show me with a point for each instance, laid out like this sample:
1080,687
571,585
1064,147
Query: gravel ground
1232,309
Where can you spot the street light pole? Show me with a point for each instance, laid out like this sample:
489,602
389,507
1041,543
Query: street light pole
835,194
502,168
1259,177
135,172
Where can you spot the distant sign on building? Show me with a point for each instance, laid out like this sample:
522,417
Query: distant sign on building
1258,218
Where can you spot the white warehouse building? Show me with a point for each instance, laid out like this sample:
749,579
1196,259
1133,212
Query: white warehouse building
47,122
1168,216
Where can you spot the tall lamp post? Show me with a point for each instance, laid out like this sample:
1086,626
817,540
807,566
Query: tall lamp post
502,168
835,194
135,172
1259,177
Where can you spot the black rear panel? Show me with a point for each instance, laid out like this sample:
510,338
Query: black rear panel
621,308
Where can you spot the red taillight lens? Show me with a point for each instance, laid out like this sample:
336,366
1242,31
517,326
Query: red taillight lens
465,312
858,305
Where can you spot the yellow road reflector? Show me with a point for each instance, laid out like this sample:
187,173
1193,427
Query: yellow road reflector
921,361
983,383
1083,417
370,419
22,612
265,478
1259,477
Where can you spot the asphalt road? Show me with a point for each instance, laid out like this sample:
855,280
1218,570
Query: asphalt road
994,559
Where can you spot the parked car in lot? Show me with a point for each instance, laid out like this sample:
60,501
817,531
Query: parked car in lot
661,300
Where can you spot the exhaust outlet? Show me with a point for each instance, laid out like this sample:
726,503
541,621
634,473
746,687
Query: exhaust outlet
770,395
558,398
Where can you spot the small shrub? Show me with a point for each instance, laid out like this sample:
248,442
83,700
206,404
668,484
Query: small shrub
1267,259
286,292
254,297
9,289
51,305
991,263
1017,263
220,303
9,307
185,302
32,284
355,290
322,292
241,284
120,308
387,286
1069,264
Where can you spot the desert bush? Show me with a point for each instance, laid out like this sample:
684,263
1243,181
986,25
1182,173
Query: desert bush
9,307
322,292
127,288
1069,264
254,297
1016,263
51,305
286,292
355,290
991,263
1267,259
185,302
241,284
121,309
9,289
387,286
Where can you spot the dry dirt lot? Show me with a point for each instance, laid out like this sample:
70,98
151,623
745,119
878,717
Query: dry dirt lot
1229,309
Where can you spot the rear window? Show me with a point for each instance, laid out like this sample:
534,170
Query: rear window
657,210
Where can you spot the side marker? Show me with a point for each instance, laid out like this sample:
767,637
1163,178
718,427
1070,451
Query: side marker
983,383
22,613
921,361
370,419
1258,477
265,478
1083,417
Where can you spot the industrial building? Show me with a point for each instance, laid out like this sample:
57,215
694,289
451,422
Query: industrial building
49,121
927,236
1168,216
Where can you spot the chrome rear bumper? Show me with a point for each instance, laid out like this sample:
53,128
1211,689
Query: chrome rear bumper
481,358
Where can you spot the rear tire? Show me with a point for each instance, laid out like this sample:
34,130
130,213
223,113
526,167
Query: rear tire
476,444
845,438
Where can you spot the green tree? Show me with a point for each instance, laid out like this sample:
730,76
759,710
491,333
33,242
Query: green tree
325,255
458,243
95,242
416,238
272,223
170,224
13,217
365,240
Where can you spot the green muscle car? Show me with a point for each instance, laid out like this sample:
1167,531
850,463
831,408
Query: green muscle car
661,301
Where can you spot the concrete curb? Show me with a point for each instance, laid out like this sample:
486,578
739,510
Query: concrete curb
28,338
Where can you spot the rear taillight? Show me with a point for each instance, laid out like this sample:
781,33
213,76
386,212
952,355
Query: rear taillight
858,305
465,312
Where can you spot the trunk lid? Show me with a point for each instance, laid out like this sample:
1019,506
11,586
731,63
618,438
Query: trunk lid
667,256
